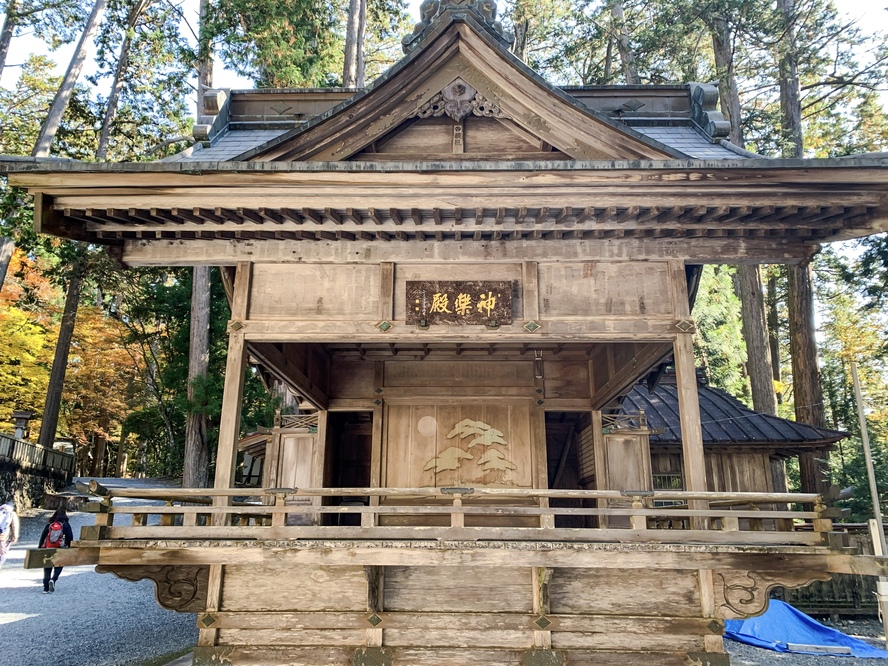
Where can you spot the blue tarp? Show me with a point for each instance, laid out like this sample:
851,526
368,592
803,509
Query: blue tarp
783,624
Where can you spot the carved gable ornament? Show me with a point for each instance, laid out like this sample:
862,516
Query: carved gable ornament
458,99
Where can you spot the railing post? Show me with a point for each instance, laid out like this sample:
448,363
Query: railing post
279,518
730,523
457,518
638,522
756,524
370,518
823,524
167,519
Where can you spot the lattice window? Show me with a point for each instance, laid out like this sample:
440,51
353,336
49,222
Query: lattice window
293,421
668,482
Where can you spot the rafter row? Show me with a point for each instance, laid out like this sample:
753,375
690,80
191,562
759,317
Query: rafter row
812,222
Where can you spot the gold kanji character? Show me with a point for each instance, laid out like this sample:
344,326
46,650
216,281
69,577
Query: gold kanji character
463,304
440,303
488,303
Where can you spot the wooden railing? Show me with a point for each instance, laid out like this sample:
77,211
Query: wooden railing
458,513
33,455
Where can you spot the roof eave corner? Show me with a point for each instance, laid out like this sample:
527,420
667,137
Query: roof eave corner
216,106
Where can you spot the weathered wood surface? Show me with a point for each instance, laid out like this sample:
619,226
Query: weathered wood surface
464,553
504,620
468,533
309,588
659,592
703,250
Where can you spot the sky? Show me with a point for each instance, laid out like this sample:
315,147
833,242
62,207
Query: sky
871,14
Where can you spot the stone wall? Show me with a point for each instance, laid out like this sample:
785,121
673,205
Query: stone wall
28,485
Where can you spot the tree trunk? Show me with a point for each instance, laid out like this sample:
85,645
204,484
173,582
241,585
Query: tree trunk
353,71
722,46
755,333
7,247
204,62
120,465
519,46
196,447
60,361
627,57
119,75
101,445
807,390
749,282
774,325
60,103
10,23
790,90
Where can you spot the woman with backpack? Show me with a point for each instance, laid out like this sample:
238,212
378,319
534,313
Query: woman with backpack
56,534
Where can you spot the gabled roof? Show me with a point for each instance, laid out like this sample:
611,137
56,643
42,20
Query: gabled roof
726,422
397,162
458,47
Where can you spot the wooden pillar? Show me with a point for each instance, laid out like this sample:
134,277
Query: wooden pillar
686,382
689,413
235,367
229,428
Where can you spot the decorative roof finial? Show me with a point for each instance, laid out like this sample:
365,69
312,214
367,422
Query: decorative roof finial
485,10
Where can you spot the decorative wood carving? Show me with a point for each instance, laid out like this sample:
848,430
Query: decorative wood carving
743,594
458,100
177,588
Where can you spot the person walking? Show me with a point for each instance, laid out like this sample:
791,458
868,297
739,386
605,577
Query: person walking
9,529
56,534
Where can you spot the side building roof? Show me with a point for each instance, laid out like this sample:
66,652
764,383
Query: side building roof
726,422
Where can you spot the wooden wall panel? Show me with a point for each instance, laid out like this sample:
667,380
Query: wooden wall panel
420,451
653,642
443,589
351,379
462,635
260,587
625,592
605,289
568,378
297,637
315,292
738,472
259,655
453,271
459,372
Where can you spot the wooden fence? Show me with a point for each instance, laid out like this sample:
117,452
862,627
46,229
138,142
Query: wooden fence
32,456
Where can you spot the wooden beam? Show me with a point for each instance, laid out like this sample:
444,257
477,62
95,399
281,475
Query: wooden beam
704,250
278,364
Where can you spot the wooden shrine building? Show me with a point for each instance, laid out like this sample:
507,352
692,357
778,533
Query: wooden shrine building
441,264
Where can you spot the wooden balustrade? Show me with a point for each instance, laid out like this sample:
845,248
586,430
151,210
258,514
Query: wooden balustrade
731,518
31,455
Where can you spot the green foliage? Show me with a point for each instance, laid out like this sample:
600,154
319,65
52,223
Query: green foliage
277,43
387,22
852,332
718,344
158,65
154,306
56,22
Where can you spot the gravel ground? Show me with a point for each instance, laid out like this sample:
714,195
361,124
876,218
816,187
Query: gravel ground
866,630
91,619
99,620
